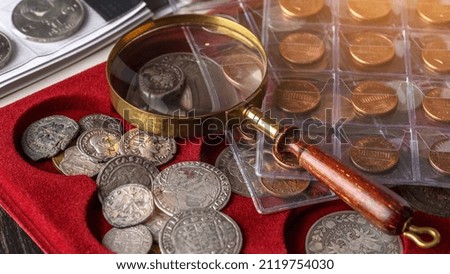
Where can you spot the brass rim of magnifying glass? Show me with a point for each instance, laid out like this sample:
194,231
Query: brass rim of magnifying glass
168,125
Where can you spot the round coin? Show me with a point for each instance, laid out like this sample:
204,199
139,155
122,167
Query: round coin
92,121
5,49
301,8
436,56
128,205
48,20
369,10
372,98
302,48
374,154
76,163
49,136
372,49
433,11
431,200
156,222
436,104
297,96
228,165
99,144
129,240
200,231
284,188
244,71
439,156
158,149
347,232
190,185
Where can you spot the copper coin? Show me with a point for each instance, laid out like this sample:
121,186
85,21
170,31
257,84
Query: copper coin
369,10
56,161
436,56
436,104
302,48
297,96
372,49
439,156
374,154
284,188
433,11
432,200
244,71
372,98
301,8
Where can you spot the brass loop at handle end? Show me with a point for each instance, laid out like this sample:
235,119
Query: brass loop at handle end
413,233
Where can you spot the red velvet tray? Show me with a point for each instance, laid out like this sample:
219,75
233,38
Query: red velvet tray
63,215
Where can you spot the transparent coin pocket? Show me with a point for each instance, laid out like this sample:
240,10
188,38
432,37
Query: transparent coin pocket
430,54
383,13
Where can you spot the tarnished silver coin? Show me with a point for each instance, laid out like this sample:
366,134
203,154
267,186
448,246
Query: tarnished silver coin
200,231
228,165
191,184
347,232
49,136
130,240
158,149
156,222
76,163
48,20
6,49
123,170
99,144
128,205
431,200
92,121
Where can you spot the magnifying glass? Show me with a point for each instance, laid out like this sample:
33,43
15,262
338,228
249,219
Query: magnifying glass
191,75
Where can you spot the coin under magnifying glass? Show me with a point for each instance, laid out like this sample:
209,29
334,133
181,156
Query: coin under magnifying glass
301,8
372,98
5,49
244,71
302,48
372,49
374,154
129,240
433,11
48,21
432,200
436,56
439,156
436,104
297,96
284,188
367,10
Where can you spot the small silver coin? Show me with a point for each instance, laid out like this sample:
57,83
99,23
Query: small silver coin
99,144
200,231
6,49
228,165
189,185
123,170
48,20
76,163
100,121
49,136
347,232
158,149
128,205
129,240
156,222
431,200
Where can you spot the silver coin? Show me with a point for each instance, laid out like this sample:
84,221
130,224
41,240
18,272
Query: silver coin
48,20
347,232
76,163
123,170
128,205
156,222
158,149
129,240
49,136
228,165
99,144
5,49
200,231
431,200
100,121
191,185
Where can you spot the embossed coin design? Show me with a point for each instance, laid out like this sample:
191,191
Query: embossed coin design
301,8
372,98
156,222
48,20
228,165
6,49
302,48
243,71
297,96
439,156
432,200
374,154
433,11
436,104
128,205
48,136
158,149
92,121
129,240
284,188
191,184
436,56
367,10
200,231
372,49
347,232
99,144
76,163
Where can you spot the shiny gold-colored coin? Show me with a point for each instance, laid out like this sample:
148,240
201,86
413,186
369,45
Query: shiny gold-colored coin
372,49
301,8
244,71
284,188
439,156
372,98
433,11
297,96
302,48
56,160
369,10
374,154
436,56
436,104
